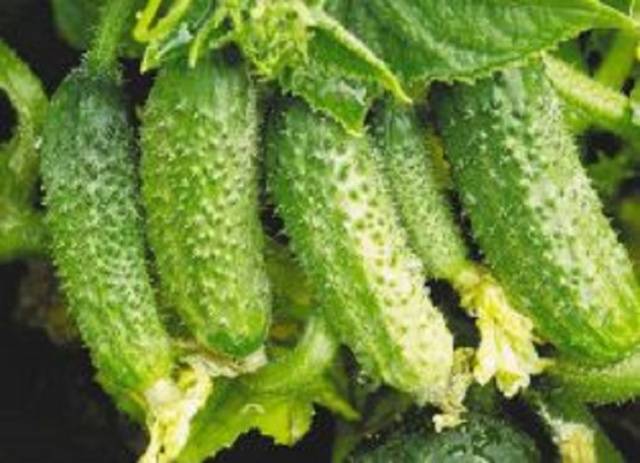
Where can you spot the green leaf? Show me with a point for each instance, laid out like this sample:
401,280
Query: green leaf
277,400
447,40
171,35
291,41
313,56
626,6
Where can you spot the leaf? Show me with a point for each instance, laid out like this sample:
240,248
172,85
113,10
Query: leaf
447,40
173,33
277,400
314,56
626,6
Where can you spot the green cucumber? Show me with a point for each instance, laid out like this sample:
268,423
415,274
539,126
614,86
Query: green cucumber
573,429
200,190
97,234
344,230
480,438
411,173
97,231
536,216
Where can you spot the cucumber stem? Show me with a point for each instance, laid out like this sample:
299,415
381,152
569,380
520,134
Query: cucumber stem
22,233
597,103
618,62
115,17
617,382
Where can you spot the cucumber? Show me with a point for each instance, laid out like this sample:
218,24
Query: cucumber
412,175
97,232
480,438
200,190
343,228
97,239
536,216
572,428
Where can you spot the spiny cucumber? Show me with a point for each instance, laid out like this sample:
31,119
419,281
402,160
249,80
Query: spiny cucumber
97,239
93,217
536,216
506,348
343,228
199,173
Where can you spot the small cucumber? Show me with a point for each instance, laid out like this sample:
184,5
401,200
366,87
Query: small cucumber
91,194
200,190
97,231
480,438
536,216
97,238
412,177
343,228
506,348
573,429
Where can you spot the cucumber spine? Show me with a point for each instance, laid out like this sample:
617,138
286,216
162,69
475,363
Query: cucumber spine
414,179
200,190
344,230
97,231
536,216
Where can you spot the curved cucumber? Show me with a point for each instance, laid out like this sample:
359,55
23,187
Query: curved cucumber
536,216
98,245
480,438
343,227
506,348
411,175
199,172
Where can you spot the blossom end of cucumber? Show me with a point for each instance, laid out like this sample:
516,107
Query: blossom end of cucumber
507,351
452,404
172,404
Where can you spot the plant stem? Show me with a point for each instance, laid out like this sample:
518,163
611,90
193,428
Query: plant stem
598,103
617,64
116,16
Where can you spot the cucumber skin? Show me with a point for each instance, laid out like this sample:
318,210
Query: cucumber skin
90,188
536,216
418,195
200,189
343,228
480,438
